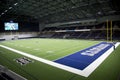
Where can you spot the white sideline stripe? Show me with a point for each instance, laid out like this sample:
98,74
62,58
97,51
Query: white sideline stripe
89,69
86,72
67,68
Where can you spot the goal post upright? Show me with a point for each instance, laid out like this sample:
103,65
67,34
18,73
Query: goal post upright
107,30
111,31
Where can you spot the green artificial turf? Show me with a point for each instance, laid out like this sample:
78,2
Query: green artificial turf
50,49
53,49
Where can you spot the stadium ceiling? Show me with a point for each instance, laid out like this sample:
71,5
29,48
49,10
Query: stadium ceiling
50,11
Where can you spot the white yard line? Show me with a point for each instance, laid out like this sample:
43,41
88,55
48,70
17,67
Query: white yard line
28,47
36,49
86,72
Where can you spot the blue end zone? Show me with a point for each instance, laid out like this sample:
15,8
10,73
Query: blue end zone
83,58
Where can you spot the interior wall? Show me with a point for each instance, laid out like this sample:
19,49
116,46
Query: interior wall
17,35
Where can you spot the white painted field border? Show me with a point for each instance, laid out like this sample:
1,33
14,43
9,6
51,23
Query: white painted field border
89,69
86,72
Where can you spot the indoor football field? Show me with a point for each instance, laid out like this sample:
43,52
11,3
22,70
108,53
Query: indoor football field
56,59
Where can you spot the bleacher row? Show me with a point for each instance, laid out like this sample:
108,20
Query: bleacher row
96,32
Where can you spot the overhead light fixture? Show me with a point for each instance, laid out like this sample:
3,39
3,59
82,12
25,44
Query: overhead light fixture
10,7
6,10
99,13
2,13
16,4
73,6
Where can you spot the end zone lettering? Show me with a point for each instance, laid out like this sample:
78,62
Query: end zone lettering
94,50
